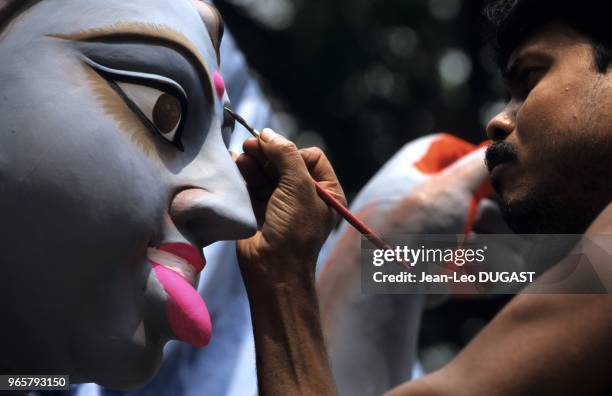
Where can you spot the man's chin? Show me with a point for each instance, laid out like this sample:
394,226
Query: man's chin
544,216
519,217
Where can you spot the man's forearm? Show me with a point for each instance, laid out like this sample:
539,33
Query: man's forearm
290,349
537,345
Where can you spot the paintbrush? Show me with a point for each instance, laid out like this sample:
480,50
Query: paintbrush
327,197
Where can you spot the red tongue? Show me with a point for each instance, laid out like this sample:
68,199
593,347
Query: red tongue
187,313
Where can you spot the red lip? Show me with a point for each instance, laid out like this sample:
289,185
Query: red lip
189,253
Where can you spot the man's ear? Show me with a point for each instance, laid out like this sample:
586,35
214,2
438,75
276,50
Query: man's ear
213,22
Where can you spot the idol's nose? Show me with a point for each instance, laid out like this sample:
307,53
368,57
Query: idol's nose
206,217
215,207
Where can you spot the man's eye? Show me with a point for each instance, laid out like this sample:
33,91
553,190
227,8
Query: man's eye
162,110
530,77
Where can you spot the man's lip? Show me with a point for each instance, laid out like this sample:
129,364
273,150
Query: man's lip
496,163
495,167
496,174
188,252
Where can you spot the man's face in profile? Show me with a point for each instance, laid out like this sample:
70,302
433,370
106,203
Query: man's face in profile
550,157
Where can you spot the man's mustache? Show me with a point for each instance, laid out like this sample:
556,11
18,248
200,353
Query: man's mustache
498,153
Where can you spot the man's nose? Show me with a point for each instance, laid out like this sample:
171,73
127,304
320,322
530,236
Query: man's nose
215,207
500,126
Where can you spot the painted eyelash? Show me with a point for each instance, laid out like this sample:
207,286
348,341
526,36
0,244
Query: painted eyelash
115,108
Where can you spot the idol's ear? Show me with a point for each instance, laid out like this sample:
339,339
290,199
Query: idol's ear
213,22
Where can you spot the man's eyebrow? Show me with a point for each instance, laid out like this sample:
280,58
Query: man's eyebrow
146,30
509,73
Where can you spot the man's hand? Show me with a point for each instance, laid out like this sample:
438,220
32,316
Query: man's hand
293,221
278,263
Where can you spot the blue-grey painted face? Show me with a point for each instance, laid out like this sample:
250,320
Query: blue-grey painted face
110,148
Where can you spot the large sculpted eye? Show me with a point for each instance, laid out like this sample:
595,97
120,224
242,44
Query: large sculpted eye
159,102
162,110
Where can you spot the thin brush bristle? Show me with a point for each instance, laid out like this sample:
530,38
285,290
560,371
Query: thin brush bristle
242,122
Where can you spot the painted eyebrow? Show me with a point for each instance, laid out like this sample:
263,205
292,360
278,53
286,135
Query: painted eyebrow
159,32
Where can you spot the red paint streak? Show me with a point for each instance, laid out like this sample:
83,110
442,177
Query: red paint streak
443,151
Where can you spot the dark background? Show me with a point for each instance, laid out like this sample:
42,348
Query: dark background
360,78
364,77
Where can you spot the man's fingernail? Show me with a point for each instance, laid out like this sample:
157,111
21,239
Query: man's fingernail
267,135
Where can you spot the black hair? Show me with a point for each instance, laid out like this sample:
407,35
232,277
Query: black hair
513,21
9,9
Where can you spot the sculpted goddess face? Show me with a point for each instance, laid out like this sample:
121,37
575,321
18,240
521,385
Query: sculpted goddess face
113,175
